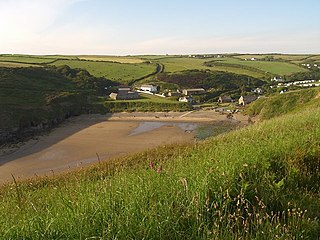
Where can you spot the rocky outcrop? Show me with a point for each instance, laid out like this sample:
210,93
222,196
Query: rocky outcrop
28,123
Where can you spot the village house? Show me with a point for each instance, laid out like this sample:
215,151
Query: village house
244,100
149,88
124,93
193,91
257,90
186,99
174,94
225,99
276,79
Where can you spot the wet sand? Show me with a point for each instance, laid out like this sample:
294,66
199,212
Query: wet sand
77,142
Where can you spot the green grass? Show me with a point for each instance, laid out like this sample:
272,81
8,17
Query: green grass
231,65
280,104
121,72
181,64
211,130
277,68
25,59
288,57
152,98
16,65
147,103
314,58
31,97
119,59
259,182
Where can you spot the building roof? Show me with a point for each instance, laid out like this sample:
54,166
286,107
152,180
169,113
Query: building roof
249,98
194,89
147,85
124,89
226,98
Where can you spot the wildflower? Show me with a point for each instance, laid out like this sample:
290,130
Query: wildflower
151,165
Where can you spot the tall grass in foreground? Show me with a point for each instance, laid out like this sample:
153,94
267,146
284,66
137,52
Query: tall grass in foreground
260,182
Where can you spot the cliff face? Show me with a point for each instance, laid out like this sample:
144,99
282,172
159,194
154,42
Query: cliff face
36,99
18,123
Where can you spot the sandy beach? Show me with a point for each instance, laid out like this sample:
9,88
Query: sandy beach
77,142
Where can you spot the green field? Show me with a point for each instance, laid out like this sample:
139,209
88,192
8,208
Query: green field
25,59
121,72
259,182
287,57
151,98
315,58
126,69
172,65
276,68
258,69
17,65
119,59
146,103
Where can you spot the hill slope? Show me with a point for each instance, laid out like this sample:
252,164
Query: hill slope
280,104
259,182
32,99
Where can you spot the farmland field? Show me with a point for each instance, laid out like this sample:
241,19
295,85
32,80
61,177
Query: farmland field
119,59
151,98
280,68
315,58
122,72
125,69
25,59
16,65
297,57
181,64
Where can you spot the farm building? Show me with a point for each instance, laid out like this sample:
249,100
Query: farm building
193,91
257,90
149,88
124,93
186,99
276,79
243,100
174,94
225,99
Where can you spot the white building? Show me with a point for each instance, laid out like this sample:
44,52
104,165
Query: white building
276,79
186,99
149,88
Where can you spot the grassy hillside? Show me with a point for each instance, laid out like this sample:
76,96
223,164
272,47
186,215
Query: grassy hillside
32,99
280,104
124,59
271,67
126,69
17,65
172,65
259,182
121,72
215,82
208,79
286,57
237,65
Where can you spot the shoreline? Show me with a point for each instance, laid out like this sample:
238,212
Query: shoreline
77,141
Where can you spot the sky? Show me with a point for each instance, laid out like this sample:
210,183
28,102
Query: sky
131,27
